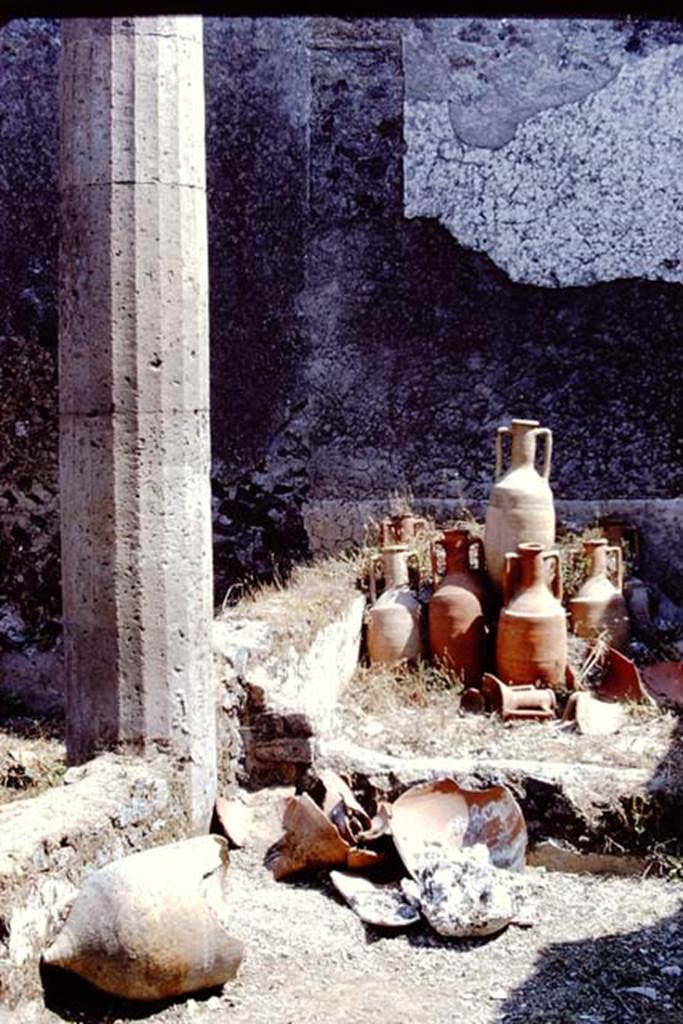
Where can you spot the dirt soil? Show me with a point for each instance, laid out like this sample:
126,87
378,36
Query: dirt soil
600,951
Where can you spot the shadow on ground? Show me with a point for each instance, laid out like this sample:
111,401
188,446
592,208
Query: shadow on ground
636,976
73,999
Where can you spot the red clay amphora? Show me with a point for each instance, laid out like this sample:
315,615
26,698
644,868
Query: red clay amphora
401,528
394,619
531,645
457,623
599,604
521,504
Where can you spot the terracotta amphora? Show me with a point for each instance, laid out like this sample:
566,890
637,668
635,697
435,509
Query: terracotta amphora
600,604
457,621
394,620
521,504
401,528
531,645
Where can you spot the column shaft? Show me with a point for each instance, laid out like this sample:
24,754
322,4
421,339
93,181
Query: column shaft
134,398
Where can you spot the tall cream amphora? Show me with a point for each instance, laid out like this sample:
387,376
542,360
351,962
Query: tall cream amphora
521,508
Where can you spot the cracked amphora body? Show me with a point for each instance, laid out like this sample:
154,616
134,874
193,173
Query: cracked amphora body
600,604
521,505
457,622
531,645
394,618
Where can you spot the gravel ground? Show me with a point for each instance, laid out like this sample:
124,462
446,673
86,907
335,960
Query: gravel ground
600,951
438,729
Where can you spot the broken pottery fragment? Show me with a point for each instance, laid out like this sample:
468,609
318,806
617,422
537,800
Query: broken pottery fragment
622,680
665,680
151,926
385,906
358,859
340,805
234,819
310,840
464,895
593,717
472,701
519,702
440,817
379,826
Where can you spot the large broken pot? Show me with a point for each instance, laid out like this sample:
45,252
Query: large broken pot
319,837
151,926
443,817
310,841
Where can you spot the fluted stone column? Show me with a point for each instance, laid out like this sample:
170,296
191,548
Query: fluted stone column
134,397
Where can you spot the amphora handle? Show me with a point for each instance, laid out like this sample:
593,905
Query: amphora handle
510,582
374,559
547,433
556,584
500,434
619,564
478,543
438,542
420,575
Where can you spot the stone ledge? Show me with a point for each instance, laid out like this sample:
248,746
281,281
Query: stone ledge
289,689
106,809
595,806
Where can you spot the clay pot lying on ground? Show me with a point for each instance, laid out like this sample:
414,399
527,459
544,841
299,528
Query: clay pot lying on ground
150,926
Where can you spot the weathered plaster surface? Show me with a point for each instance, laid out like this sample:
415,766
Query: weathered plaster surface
356,351
551,145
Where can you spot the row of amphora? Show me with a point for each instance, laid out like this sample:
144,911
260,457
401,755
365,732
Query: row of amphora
531,639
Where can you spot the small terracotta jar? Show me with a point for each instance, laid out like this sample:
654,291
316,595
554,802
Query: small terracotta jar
531,645
401,528
521,506
457,621
600,604
394,633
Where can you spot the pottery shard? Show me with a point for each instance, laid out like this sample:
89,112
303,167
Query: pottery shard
310,841
593,717
466,895
340,805
151,926
384,906
235,819
665,681
443,816
622,680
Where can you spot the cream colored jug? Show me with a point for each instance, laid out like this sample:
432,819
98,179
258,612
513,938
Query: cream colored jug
394,619
600,604
521,508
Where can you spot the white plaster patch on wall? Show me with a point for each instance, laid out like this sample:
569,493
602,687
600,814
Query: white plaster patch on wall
585,191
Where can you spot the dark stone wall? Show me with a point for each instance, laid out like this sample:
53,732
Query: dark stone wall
354,351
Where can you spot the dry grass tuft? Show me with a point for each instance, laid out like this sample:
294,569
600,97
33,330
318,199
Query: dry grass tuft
383,689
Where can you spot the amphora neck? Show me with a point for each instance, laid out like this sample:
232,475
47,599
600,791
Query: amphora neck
596,552
395,565
456,544
523,443
532,565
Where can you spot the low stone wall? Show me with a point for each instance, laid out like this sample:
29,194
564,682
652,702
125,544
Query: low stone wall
283,662
335,525
109,808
